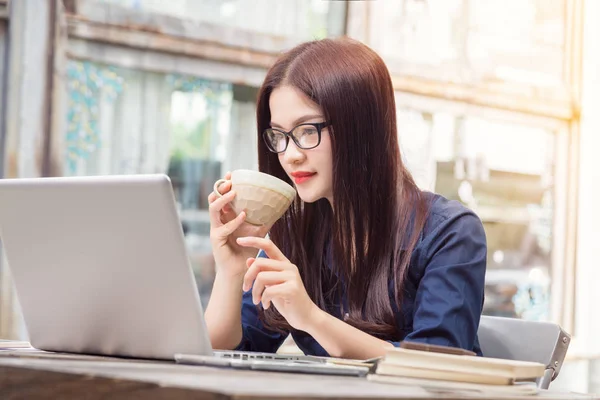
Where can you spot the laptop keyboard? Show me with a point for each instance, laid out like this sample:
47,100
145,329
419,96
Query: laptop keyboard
248,355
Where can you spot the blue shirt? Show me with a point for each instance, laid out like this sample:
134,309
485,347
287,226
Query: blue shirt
443,293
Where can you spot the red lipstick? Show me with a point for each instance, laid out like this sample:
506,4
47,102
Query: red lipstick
302,176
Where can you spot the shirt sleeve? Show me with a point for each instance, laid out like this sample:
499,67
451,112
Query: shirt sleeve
449,297
255,336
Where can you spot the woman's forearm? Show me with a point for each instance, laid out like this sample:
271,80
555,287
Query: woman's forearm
223,313
342,340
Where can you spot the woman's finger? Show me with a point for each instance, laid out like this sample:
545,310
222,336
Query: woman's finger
211,197
232,225
227,214
267,245
214,209
261,264
224,188
273,292
264,279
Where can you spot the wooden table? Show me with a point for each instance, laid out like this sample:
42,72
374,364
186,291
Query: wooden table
40,375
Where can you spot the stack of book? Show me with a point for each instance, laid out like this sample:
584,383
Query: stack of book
450,371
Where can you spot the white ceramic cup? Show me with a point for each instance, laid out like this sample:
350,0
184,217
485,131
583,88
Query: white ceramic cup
263,197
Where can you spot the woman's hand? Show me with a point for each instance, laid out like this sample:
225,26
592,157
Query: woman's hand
225,227
276,280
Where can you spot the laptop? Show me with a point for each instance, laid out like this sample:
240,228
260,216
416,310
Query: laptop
100,267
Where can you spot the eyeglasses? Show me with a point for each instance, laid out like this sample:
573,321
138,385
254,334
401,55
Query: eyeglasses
305,136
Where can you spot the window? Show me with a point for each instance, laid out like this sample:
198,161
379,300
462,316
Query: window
300,19
505,173
125,121
468,40
482,109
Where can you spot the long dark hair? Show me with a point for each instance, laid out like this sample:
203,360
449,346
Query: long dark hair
379,210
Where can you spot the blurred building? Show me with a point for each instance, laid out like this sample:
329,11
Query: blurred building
494,110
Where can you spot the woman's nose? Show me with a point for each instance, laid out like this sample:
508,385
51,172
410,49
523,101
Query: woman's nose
293,154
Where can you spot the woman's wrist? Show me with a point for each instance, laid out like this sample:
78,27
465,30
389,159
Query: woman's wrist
315,320
225,278
233,269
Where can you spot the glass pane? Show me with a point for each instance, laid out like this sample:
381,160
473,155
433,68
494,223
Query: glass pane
503,172
414,134
302,19
469,40
200,120
123,121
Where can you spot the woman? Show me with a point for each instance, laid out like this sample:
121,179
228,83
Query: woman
362,259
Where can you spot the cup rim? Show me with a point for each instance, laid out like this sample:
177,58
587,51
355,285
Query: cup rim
272,182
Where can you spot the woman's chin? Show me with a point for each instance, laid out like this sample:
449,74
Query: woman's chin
309,197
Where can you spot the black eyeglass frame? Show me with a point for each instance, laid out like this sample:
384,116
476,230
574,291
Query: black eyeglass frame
318,125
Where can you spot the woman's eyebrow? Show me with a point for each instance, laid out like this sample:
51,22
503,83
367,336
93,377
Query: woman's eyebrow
299,120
